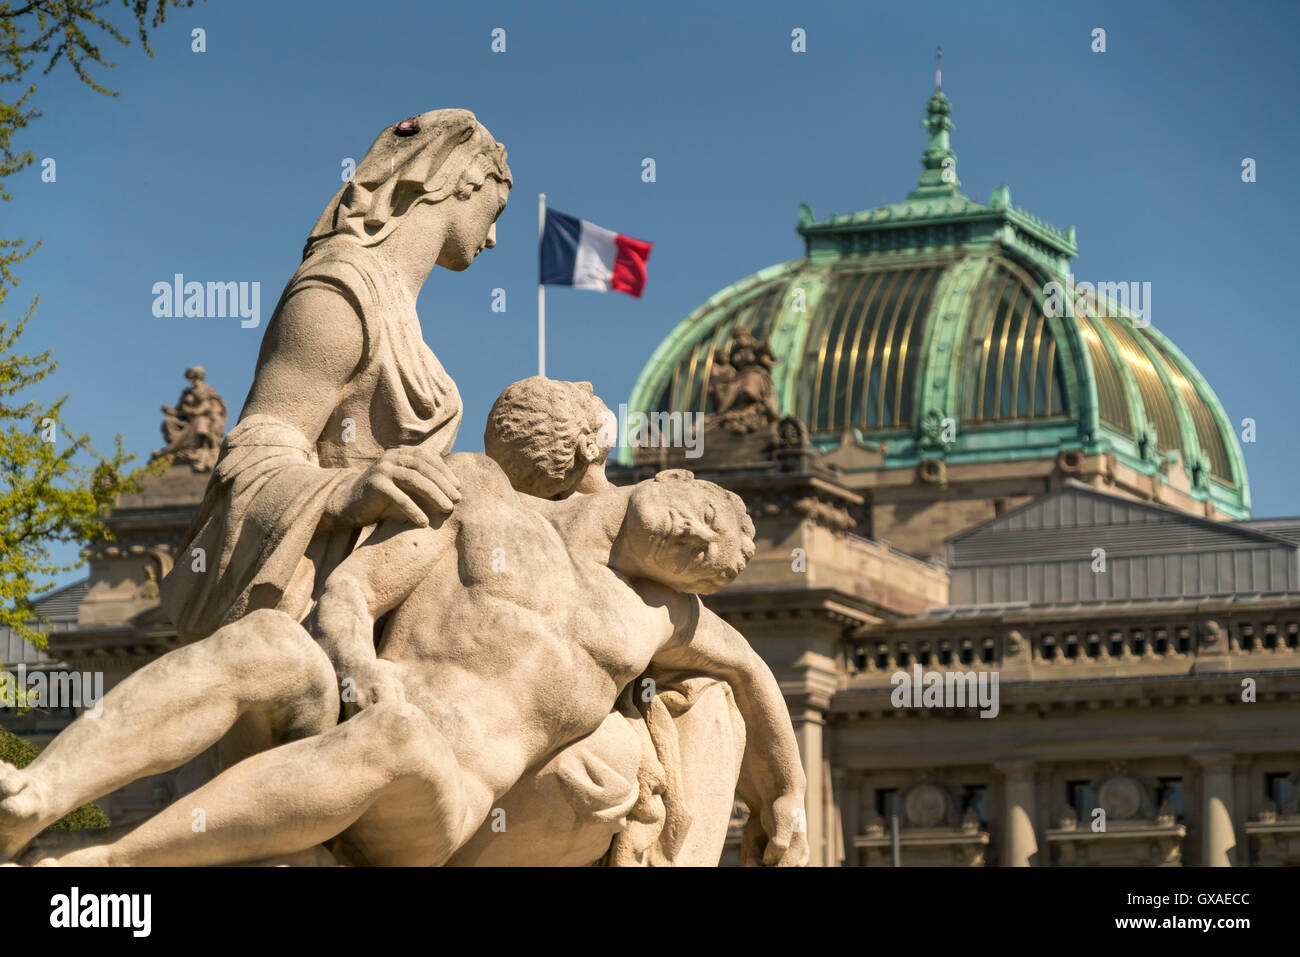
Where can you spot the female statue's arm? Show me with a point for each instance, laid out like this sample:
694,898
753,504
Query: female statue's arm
311,349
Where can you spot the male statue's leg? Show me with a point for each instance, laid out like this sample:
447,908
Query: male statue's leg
168,712
563,813
293,797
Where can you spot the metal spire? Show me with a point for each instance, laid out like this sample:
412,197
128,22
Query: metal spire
938,162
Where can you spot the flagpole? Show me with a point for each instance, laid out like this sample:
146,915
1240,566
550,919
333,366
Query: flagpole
541,290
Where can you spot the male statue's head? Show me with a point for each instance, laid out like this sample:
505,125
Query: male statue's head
691,535
550,437
397,192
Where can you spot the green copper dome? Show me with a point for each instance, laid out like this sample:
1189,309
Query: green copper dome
930,328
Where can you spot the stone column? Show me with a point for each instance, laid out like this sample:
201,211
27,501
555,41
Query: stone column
808,726
834,826
1019,838
801,652
848,792
1218,836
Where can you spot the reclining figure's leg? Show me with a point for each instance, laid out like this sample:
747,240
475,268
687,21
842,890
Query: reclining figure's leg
168,712
293,797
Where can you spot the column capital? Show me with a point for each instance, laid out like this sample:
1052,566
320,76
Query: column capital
1015,767
1214,760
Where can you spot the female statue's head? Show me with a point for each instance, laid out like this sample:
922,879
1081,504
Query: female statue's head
439,155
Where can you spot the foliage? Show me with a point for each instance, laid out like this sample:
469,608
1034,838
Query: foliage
46,495
20,753
62,30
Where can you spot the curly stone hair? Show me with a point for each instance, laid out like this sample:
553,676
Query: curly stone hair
544,432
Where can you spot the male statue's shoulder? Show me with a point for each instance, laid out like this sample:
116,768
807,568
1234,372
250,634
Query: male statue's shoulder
475,470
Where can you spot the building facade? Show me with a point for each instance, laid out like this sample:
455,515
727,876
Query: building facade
963,465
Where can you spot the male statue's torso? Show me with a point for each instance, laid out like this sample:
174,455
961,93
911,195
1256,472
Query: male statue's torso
507,665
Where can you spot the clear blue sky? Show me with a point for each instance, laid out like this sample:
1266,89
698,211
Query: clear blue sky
217,164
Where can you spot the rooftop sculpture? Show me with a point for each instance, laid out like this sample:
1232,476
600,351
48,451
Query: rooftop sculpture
193,430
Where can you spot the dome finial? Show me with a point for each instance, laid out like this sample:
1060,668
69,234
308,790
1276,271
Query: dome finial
939,162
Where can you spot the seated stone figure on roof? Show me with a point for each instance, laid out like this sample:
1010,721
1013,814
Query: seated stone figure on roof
193,430
740,384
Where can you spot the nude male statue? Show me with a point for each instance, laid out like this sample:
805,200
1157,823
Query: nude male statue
549,438
518,641
658,777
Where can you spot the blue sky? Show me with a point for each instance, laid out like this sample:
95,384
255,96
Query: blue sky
216,165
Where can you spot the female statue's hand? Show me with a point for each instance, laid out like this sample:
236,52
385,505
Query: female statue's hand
410,484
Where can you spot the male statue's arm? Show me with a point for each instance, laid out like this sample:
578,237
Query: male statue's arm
772,780
372,581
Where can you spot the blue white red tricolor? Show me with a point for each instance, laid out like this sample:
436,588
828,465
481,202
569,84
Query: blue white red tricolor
586,256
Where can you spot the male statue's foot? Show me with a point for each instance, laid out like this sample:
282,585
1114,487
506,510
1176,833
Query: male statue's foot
23,809
67,849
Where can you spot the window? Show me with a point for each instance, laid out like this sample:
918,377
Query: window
1016,372
976,798
1081,796
1170,791
1280,789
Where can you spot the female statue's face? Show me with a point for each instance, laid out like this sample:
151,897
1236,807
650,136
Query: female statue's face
471,224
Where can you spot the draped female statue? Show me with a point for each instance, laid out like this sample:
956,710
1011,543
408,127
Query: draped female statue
350,412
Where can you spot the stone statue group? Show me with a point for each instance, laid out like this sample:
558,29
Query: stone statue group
409,656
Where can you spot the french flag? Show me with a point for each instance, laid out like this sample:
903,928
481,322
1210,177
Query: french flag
586,256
